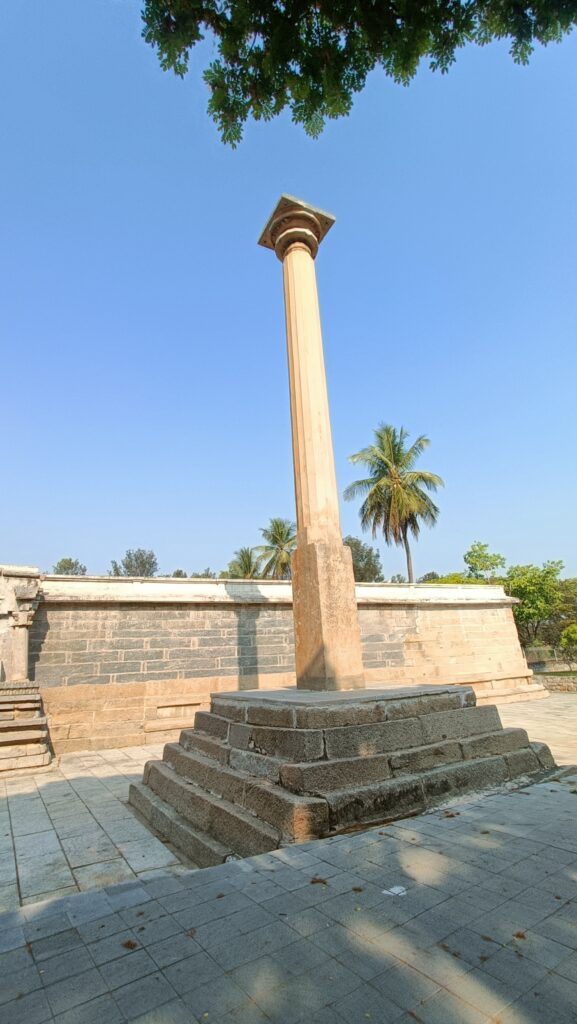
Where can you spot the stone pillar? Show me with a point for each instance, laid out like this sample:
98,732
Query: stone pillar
19,597
327,634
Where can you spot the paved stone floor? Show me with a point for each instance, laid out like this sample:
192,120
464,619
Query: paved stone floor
553,721
460,916
465,915
69,828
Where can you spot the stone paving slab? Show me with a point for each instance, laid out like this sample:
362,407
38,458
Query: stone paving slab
464,915
552,721
70,829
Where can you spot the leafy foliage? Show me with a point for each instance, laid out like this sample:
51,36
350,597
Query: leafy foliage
564,615
481,563
568,644
395,498
280,540
398,578
69,567
179,574
429,577
245,565
136,562
366,561
203,574
539,593
312,56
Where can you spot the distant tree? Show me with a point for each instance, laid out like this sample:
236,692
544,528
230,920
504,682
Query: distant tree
429,577
539,594
564,615
206,574
460,577
69,567
136,562
314,56
398,578
245,565
280,541
366,561
481,563
179,574
568,644
395,498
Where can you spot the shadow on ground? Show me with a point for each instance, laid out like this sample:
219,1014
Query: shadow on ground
461,916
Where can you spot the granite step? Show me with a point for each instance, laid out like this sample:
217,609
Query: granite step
216,749
21,762
201,849
228,823
20,732
298,817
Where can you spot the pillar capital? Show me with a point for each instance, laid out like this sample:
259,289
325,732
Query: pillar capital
294,222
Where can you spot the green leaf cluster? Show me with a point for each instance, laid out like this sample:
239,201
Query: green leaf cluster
395,498
313,56
69,567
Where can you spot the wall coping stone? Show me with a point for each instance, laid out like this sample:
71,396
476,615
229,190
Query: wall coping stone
168,590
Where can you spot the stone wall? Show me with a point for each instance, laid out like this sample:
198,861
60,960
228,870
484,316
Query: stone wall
560,682
122,661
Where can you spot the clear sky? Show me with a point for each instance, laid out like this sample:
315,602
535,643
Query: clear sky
144,381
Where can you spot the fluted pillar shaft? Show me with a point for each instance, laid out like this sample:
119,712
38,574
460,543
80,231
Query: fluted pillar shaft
327,635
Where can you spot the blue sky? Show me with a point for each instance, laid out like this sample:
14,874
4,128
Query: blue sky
144,381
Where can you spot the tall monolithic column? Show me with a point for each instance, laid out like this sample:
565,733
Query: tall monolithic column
327,636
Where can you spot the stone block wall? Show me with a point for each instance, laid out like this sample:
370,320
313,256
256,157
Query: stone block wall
123,661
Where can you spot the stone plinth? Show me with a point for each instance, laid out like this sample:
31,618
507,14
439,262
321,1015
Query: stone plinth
263,770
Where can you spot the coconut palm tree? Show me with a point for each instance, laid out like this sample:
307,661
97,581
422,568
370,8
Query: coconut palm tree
245,565
280,541
395,498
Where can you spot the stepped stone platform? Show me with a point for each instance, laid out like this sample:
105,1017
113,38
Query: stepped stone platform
23,729
263,770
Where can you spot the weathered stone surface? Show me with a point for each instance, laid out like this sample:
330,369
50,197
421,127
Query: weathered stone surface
411,707
199,847
211,724
420,759
230,824
255,764
454,725
544,754
325,776
365,740
205,772
291,744
381,801
521,762
263,714
228,709
349,714
442,783
208,745
299,818
495,743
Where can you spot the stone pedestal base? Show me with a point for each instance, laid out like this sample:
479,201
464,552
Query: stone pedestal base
23,728
327,634
262,770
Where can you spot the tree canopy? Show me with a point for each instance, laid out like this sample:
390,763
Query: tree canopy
312,56
280,540
395,492
538,592
69,567
245,565
366,561
136,562
481,563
